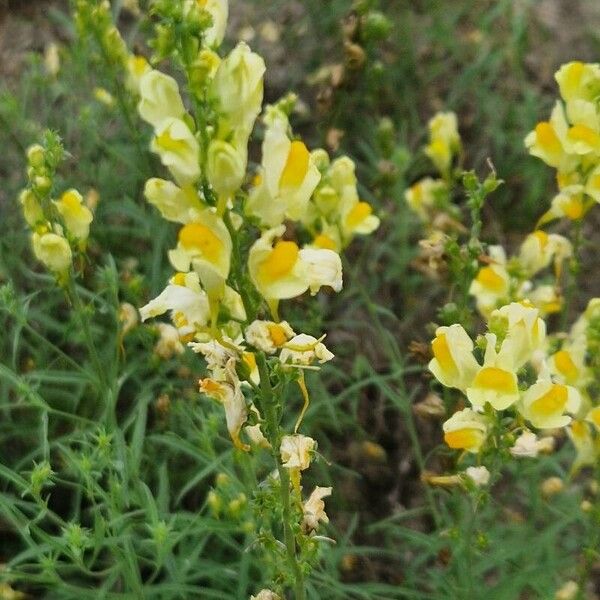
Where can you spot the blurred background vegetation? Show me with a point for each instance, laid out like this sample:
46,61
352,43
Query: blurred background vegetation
369,75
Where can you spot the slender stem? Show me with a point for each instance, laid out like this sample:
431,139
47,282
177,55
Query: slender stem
274,434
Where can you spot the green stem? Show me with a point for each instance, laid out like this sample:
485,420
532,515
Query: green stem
274,434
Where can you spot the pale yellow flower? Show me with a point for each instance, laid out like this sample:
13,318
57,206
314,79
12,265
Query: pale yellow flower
466,430
444,140
423,196
491,285
178,150
282,270
205,245
268,336
238,86
289,177
184,300
581,437
159,98
77,216
226,166
137,67
578,80
181,205
265,595
545,403
539,248
229,393
496,381
53,250
453,363
303,350
314,508
296,451
32,209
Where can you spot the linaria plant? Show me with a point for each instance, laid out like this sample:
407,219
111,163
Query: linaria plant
249,238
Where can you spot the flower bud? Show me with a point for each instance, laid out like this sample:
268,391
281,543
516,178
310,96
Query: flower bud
226,167
53,250
36,156
32,211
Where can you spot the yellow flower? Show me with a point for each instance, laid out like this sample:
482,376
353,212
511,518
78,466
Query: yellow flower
159,98
578,81
265,595
268,336
581,437
496,381
545,403
491,285
538,249
592,186
178,150
466,430
281,270
229,393
303,350
568,203
548,141
205,245
181,205
314,508
296,451
546,299
289,178
358,218
77,216
32,210
53,250
453,363
238,86
185,300
568,364
226,166
525,331
137,67
218,10
444,140
423,196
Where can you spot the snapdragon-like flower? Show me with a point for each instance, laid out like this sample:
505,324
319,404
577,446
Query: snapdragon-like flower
491,285
229,393
53,250
288,177
303,350
178,150
453,363
181,205
528,445
539,248
466,430
159,98
268,336
238,86
280,269
545,403
205,245
424,196
587,450
296,451
496,381
444,140
76,215
169,343
314,508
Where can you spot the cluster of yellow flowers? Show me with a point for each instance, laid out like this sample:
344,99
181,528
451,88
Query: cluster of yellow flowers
542,382
245,242
430,198
570,141
503,280
59,227
538,379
